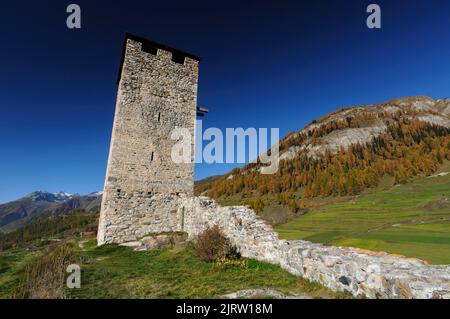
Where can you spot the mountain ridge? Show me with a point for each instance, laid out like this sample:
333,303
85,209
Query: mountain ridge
344,152
32,206
368,121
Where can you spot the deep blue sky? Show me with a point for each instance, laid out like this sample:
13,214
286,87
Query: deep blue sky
265,64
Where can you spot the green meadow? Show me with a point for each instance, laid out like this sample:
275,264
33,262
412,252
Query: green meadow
118,272
113,271
411,219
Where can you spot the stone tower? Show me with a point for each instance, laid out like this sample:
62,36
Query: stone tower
157,92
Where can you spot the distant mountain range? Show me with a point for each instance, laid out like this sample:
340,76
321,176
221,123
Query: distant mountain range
41,203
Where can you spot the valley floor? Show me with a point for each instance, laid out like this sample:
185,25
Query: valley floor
411,219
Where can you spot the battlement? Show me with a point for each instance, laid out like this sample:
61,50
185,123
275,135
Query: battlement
157,92
152,47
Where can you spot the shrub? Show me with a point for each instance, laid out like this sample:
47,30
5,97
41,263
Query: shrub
212,244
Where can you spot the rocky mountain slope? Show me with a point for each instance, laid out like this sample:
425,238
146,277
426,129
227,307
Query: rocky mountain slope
360,124
40,203
345,152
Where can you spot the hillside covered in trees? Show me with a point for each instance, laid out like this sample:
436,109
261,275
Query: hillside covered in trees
345,153
51,228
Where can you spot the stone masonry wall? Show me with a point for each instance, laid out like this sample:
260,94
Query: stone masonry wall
361,273
143,184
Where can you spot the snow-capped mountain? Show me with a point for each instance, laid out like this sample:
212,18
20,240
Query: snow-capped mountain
49,197
41,203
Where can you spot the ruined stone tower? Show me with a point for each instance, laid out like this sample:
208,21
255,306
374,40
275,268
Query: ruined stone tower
157,92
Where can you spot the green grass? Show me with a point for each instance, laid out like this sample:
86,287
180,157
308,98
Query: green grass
12,265
411,219
113,271
118,272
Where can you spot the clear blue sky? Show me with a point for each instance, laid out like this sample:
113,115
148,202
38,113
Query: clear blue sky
265,64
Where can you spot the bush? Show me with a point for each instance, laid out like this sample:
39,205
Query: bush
212,244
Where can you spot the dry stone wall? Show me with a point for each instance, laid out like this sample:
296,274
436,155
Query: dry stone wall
358,272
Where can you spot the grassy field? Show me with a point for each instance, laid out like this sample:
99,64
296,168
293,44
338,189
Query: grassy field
411,219
11,268
112,271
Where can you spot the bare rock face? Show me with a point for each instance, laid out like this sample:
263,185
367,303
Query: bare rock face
375,118
344,138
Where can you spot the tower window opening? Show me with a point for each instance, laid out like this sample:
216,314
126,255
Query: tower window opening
159,116
178,58
151,157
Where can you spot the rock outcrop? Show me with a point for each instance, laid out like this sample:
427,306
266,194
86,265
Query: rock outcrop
375,117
